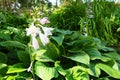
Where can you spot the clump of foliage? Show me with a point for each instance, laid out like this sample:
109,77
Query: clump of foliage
68,16
68,55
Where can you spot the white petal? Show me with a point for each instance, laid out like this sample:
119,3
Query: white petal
44,39
35,43
32,30
44,20
47,31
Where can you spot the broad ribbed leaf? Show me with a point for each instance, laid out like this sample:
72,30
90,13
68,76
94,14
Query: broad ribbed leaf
3,57
16,68
52,52
109,70
44,72
12,44
58,39
93,53
81,57
23,56
94,71
113,55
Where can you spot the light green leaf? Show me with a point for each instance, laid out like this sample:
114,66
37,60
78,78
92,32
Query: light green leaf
16,68
44,72
11,78
109,70
76,73
37,54
2,65
12,44
3,57
58,39
44,58
81,57
118,29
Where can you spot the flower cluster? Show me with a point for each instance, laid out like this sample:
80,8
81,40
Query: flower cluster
34,31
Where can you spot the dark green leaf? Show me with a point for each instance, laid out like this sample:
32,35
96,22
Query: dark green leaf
113,55
4,36
58,39
3,57
23,56
12,44
93,53
52,52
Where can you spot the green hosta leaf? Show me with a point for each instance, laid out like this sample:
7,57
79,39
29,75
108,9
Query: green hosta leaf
44,72
118,29
52,52
103,78
107,49
105,59
64,32
59,68
44,58
81,57
11,78
12,44
3,57
109,70
4,36
94,71
58,39
37,55
113,55
23,56
93,53
76,73
16,68
2,65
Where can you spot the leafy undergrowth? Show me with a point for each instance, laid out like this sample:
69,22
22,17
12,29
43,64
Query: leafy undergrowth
69,56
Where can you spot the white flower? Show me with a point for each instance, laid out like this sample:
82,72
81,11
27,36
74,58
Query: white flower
47,31
35,43
91,16
40,13
32,30
44,39
44,20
